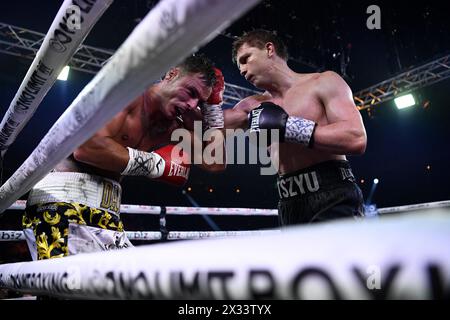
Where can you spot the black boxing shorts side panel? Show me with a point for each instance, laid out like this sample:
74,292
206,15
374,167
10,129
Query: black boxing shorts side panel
322,192
344,201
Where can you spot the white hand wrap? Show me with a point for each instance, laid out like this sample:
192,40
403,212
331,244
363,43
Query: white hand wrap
299,130
143,163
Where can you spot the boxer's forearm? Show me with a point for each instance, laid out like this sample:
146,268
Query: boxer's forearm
213,154
343,137
218,161
235,119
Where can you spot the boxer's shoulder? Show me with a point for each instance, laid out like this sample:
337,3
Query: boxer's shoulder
311,84
327,78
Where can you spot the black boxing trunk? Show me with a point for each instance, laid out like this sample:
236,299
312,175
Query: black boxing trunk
322,192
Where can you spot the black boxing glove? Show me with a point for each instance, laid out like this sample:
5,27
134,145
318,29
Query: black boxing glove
270,116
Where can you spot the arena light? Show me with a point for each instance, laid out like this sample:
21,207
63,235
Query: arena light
375,181
405,101
64,74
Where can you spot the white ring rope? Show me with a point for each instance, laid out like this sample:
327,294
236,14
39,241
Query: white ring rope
145,209
17,235
59,45
398,257
167,34
413,207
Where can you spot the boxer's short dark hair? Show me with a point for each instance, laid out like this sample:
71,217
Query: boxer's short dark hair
258,38
199,63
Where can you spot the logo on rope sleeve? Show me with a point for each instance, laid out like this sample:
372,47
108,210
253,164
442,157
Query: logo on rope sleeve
264,283
71,22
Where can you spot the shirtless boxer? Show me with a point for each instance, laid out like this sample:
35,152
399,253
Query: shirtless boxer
75,208
318,125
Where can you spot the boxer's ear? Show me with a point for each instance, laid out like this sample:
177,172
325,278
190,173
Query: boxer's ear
270,49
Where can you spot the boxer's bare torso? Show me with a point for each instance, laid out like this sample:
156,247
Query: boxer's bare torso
302,100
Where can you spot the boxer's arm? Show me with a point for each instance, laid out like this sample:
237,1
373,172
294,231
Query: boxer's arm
345,133
194,145
214,147
237,117
101,150
212,154
166,164
197,146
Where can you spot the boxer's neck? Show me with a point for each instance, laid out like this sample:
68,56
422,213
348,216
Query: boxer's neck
281,79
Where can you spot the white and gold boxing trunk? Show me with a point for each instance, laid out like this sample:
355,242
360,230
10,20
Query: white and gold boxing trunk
69,213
